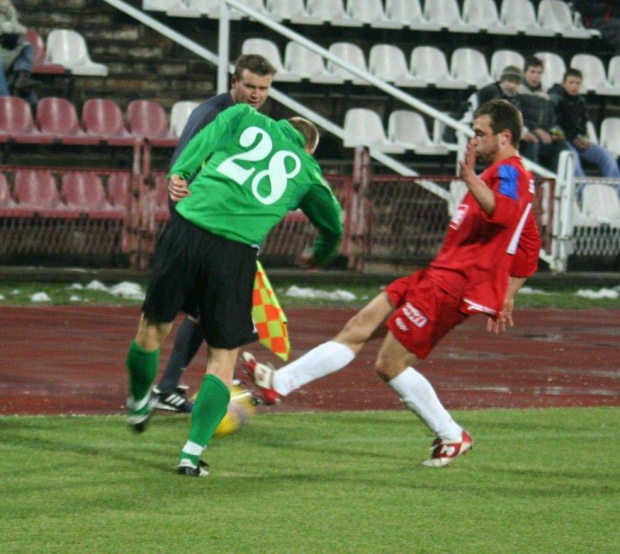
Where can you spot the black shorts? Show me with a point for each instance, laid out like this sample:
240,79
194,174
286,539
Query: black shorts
194,268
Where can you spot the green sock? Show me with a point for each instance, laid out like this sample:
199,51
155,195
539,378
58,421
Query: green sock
142,366
209,409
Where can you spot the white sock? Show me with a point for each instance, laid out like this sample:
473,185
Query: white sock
419,396
319,362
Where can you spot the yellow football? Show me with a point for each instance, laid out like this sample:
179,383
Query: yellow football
240,408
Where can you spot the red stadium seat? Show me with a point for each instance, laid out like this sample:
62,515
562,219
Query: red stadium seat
36,192
57,118
16,123
6,199
118,190
83,191
41,64
103,119
162,209
148,119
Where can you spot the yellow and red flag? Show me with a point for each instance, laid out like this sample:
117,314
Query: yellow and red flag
268,316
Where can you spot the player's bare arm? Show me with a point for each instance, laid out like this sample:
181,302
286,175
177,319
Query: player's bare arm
177,188
504,318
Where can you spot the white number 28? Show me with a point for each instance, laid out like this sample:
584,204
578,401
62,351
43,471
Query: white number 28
276,173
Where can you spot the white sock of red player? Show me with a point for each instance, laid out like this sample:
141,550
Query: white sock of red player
419,396
319,362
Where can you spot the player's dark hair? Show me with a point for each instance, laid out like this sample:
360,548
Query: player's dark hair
503,116
307,129
533,61
254,63
572,72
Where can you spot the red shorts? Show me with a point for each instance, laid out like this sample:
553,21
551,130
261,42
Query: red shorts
424,313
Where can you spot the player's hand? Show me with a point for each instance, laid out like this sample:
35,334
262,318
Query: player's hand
306,260
469,163
530,137
177,188
504,319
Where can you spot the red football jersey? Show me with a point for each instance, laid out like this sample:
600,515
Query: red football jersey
481,251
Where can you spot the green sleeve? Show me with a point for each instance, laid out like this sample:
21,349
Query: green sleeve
324,212
207,141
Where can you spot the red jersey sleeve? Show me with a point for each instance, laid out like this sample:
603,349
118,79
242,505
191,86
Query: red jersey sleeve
525,261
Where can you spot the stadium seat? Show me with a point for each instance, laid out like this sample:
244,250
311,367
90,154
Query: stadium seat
364,127
555,67
408,128
103,119
591,131
16,123
119,190
308,64
291,10
483,14
429,64
6,199
410,13
35,192
601,202
520,16
193,8
613,72
148,119
447,15
68,48
388,62
503,58
40,63
353,55
332,12
58,119
610,134
580,219
594,74
470,66
371,12
162,205
270,51
179,113
556,15
83,192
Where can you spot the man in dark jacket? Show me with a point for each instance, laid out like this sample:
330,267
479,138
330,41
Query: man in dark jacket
572,116
603,15
539,118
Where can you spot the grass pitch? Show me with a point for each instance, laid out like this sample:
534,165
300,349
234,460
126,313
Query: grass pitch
536,481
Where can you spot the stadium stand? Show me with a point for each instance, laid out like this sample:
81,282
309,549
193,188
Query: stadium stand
371,12
270,50
36,192
410,14
83,192
293,11
503,58
594,74
333,12
469,66
555,67
40,63
388,62
6,198
520,17
556,15
430,64
601,202
353,55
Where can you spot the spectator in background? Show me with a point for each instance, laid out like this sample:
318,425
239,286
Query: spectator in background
504,89
603,15
572,116
16,56
545,140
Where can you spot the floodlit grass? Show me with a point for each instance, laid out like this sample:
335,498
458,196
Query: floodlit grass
62,294
537,481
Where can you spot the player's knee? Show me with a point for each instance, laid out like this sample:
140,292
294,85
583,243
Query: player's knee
386,369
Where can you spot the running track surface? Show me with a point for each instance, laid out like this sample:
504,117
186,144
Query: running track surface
70,360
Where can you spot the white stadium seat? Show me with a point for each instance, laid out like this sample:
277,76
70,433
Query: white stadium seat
429,63
503,58
309,65
353,55
179,113
408,128
371,12
556,15
609,137
331,11
470,66
520,15
364,127
555,67
388,62
68,48
483,14
268,49
602,202
447,15
410,13
594,74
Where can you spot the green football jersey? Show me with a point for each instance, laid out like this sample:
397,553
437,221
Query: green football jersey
254,171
